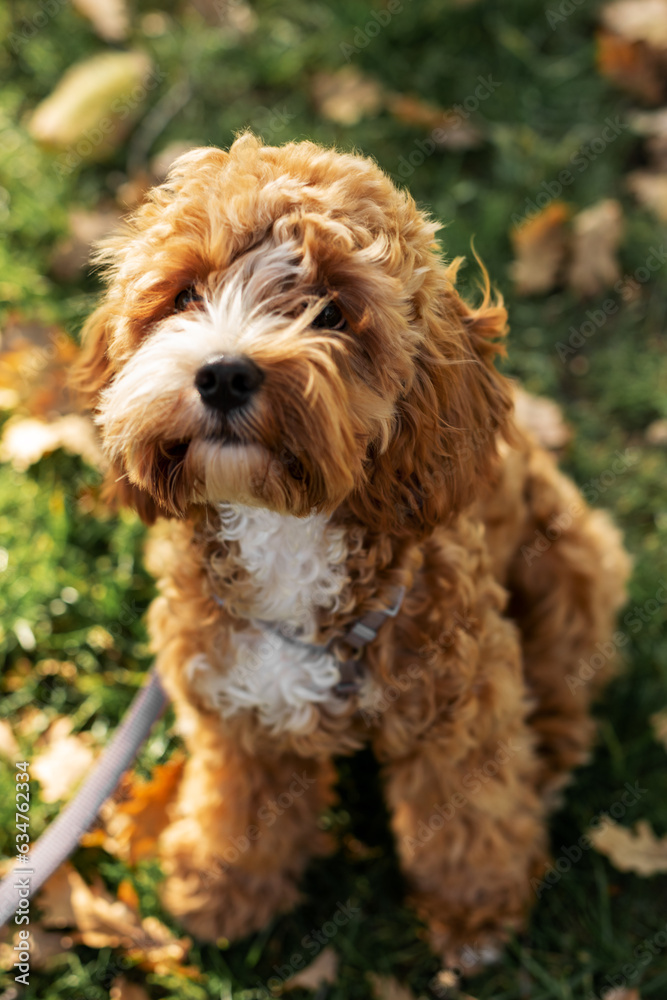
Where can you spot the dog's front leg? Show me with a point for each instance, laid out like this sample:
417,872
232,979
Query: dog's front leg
466,815
245,829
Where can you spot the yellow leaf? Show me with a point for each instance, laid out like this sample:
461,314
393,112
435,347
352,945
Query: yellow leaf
9,748
638,851
94,104
103,922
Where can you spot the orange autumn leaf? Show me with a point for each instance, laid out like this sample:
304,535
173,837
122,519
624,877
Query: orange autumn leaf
128,895
540,246
132,826
631,65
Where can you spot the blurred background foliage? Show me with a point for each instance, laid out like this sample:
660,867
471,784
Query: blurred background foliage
380,79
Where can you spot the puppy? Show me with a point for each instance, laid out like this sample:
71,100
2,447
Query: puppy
360,547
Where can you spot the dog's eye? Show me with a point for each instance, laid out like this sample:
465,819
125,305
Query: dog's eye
186,298
331,318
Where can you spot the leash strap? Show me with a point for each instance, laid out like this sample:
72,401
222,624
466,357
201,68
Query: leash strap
63,836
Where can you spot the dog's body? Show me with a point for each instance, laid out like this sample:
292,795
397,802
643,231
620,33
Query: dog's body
321,414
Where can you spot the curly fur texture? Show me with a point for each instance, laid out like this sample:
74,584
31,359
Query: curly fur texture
381,453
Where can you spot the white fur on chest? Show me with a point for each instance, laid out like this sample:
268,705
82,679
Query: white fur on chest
296,565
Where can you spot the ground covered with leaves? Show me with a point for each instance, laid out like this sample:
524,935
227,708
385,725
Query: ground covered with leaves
540,131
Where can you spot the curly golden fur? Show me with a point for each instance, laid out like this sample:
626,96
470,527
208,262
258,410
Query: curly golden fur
379,449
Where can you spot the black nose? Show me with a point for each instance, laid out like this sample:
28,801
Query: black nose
228,384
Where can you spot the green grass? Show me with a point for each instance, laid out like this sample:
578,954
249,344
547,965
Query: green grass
548,101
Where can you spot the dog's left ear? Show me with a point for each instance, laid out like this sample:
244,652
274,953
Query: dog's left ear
91,373
444,449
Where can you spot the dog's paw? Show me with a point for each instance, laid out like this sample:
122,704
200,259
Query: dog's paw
462,945
213,900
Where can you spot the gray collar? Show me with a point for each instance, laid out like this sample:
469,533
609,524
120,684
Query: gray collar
359,635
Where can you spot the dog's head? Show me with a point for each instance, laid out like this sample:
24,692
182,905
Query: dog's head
279,330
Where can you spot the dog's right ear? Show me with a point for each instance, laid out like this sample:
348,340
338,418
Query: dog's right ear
92,369
91,373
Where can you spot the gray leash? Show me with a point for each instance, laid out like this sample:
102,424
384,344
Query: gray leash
63,836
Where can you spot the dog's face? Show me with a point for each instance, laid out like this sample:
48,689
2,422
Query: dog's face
279,331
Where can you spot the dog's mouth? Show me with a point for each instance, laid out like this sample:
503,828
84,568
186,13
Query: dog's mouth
170,459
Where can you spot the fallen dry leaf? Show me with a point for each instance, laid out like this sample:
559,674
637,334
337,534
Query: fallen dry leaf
634,66
540,246
650,189
652,125
346,96
659,719
25,441
123,989
620,993
34,364
638,20
322,970
44,946
448,129
63,762
132,826
9,748
94,105
103,922
109,18
542,417
638,851
388,988
597,235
